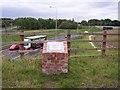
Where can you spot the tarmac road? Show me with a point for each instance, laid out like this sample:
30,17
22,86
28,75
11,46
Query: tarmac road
15,55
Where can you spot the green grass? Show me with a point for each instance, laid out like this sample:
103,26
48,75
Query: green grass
83,45
17,38
10,38
83,73
40,30
88,45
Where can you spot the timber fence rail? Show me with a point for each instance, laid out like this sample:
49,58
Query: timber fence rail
22,35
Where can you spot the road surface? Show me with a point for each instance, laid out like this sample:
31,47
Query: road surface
9,28
15,55
114,27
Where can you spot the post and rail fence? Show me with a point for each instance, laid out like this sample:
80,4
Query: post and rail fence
103,48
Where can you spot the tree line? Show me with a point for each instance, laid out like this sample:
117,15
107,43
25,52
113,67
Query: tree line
33,23
102,22
6,22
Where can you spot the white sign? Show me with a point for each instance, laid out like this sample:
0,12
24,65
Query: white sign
55,47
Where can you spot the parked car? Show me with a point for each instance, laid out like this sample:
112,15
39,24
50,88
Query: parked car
14,47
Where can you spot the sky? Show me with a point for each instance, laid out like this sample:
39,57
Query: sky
60,9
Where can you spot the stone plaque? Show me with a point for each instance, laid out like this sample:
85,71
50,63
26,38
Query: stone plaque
55,57
55,47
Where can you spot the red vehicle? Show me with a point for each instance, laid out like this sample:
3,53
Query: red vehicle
29,46
16,47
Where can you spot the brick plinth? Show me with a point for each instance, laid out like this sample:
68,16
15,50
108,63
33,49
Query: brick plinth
54,62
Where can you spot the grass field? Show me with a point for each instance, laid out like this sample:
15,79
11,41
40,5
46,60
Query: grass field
109,37
114,37
88,45
85,72
17,38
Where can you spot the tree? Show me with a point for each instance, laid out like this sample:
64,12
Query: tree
27,23
94,22
84,23
33,23
115,23
67,25
107,22
7,22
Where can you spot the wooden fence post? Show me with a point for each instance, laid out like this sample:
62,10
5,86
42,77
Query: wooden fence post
34,33
104,43
21,44
68,41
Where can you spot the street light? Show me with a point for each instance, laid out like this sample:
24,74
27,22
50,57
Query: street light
77,27
56,19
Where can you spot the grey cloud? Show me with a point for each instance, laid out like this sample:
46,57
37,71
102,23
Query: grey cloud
119,11
23,12
14,12
101,4
65,9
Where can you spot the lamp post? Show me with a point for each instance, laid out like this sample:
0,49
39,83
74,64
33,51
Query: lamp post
56,20
77,27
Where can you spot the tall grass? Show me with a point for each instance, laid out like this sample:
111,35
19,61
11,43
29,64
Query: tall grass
83,73
94,72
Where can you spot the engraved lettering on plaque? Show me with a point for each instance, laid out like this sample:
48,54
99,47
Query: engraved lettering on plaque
55,47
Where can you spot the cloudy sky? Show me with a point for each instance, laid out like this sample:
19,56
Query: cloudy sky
68,9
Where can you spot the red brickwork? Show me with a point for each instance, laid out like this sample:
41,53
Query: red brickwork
54,62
